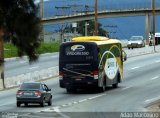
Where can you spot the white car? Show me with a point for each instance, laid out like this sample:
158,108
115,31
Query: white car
136,42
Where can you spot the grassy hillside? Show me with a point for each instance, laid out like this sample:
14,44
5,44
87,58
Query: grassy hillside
11,51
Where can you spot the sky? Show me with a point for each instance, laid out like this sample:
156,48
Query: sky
127,26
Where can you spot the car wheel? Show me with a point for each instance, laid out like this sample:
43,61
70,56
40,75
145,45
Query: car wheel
42,103
18,104
50,102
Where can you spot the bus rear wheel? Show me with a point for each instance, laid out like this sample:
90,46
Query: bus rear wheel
70,90
115,85
103,88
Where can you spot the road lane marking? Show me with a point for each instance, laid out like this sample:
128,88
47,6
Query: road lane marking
154,78
75,102
126,88
135,67
152,99
34,67
57,108
64,105
96,96
82,100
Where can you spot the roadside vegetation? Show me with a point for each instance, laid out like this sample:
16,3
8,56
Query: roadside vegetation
11,51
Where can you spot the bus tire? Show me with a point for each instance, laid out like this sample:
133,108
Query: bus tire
115,85
70,90
103,88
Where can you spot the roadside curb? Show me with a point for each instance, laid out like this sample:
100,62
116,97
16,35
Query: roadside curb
152,103
24,57
33,76
9,88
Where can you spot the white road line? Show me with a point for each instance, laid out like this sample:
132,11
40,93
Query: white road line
126,87
96,96
75,102
64,105
69,104
56,110
154,78
135,67
82,100
152,99
34,67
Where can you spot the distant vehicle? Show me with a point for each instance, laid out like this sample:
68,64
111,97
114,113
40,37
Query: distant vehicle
157,39
91,61
136,42
34,92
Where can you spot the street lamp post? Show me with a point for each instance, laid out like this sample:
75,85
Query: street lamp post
153,23
86,28
1,58
96,18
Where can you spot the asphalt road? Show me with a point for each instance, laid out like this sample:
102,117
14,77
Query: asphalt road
140,87
22,66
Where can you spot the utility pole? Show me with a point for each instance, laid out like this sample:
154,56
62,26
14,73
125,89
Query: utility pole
96,18
153,21
110,33
86,28
63,9
41,8
41,16
1,58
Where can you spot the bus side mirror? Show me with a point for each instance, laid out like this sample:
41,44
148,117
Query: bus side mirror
124,56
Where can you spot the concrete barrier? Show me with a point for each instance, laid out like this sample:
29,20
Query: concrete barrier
29,77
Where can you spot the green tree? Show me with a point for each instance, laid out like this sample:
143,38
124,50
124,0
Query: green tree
81,28
18,20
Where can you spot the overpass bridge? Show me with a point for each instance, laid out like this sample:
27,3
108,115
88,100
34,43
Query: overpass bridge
147,12
101,14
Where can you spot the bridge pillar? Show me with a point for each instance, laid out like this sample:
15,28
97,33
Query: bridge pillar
41,8
147,28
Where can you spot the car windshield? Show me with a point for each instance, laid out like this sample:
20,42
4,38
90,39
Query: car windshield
135,38
30,86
